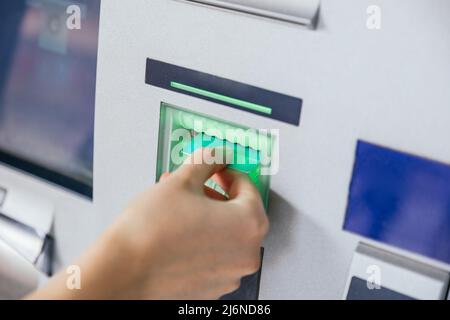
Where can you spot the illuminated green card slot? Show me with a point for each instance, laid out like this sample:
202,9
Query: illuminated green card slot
222,98
243,159
181,132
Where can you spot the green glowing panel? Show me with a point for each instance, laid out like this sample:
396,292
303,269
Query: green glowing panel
243,159
222,98
182,132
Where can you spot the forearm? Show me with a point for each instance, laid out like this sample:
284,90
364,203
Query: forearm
198,247
103,272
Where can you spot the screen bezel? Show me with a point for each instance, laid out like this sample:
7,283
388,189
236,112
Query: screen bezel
45,174
52,176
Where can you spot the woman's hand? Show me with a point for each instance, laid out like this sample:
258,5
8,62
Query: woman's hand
177,240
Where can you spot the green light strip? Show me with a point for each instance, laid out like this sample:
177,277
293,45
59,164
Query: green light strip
219,97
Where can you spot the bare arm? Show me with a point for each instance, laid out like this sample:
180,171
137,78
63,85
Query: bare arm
177,240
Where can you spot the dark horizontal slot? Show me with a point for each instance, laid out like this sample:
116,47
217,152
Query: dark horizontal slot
223,91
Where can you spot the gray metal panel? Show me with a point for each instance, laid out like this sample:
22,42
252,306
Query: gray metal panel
388,86
395,273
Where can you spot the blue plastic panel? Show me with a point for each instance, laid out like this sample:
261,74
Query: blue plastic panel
401,200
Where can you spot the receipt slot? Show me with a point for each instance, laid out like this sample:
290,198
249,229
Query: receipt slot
303,12
376,274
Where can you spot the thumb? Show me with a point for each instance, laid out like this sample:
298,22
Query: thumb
201,165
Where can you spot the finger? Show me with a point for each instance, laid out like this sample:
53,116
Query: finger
164,176
200,166
236,184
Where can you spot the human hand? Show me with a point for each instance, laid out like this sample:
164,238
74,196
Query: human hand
179,240
190,243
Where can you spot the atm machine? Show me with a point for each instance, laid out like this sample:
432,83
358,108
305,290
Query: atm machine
351,119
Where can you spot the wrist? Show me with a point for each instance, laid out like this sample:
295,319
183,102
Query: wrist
126,261
105,269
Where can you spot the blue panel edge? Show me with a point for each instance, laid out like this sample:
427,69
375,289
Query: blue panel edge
429,163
